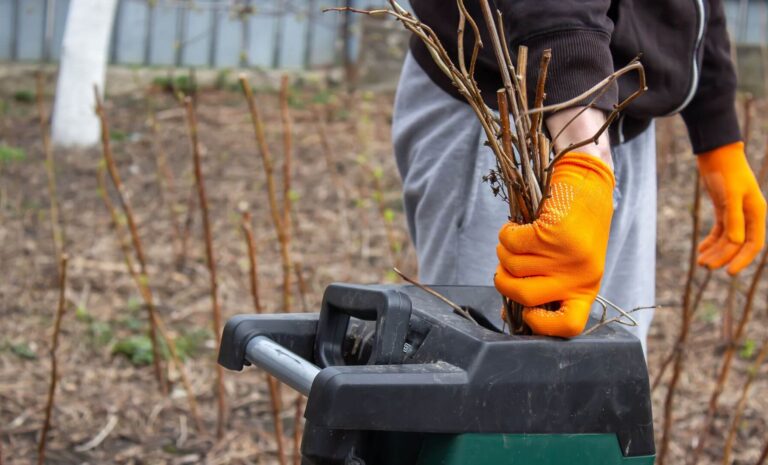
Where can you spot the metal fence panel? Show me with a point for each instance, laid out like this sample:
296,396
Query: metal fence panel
30,21
277,33
129,33
262,30
162,36
196,37
61,7
7,30
229,32
292,42
325,33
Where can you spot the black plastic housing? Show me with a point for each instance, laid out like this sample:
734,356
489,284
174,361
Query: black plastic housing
432,371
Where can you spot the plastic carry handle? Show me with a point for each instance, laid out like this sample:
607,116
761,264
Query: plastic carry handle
390,308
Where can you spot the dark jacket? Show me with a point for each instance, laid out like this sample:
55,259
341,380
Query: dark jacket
684,46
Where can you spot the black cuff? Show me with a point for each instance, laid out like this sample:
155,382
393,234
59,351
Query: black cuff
712,123
580,59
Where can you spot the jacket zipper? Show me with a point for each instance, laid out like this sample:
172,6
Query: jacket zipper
695,76
620,128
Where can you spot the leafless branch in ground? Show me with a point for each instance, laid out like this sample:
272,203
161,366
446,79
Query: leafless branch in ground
134,232
277,217
145,290
57,230
250,241
685,325
734,284
274,390
678,345
318,114
276,404
285,117
742,403
221,407
54,363
727,359
726,330
342,189
166,183
376,174
301,285
297,429
764,454
298,412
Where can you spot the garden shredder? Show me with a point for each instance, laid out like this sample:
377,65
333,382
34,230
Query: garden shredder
394,377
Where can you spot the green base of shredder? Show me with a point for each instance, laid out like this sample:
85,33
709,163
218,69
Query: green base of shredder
526,449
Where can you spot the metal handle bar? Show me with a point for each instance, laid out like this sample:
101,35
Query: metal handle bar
281,363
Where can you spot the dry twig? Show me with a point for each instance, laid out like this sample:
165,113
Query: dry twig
101,436
132,228
142,284
276,405
726,330
277,219
763,455
456,308
727,358
685,325
302,286
50,168
298,412
623,318
210,261
250,241
274,388
742,403
733,285
521,135
328,156
54,364
678,345
297,429
285,116
166,184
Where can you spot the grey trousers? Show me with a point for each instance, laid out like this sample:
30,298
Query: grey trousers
454,218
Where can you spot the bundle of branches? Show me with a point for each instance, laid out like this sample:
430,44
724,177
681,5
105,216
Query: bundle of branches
524,153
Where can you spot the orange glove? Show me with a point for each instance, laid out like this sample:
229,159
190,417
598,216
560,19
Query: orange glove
739,231
560,257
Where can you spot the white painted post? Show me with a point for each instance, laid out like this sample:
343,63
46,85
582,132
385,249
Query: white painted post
83,65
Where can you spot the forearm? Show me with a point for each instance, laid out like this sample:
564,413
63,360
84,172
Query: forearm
566,132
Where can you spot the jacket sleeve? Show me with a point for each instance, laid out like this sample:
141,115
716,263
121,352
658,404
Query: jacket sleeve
579,34
711,115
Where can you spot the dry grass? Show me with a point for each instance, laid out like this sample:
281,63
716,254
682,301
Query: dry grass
95,384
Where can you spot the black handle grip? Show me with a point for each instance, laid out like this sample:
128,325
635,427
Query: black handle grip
294,331
390,309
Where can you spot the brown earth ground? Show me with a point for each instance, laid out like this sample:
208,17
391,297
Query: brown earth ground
346,229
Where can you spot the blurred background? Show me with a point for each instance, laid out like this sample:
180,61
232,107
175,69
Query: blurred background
323,86
267,34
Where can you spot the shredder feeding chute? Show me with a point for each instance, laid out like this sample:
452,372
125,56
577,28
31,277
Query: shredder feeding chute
394,376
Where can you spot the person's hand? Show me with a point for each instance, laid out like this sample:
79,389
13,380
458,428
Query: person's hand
560,257
739,230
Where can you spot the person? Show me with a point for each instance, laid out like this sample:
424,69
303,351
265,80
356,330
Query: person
597,230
